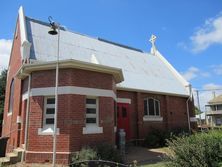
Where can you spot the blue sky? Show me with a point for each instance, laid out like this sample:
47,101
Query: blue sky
189,33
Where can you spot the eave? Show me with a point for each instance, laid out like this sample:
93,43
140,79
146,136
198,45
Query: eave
27,69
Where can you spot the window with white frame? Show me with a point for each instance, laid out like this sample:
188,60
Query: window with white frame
151,107
91,111
49,112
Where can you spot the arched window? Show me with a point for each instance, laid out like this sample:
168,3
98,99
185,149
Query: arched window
151,107
11,97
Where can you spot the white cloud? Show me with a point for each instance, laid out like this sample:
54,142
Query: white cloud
210,33
194,72
205,74
191,73
212,86
5,49
217,69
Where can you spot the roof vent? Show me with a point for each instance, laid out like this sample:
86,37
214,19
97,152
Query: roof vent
94,59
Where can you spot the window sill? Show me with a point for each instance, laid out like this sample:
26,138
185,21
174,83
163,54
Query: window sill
92,130
152,118
47,131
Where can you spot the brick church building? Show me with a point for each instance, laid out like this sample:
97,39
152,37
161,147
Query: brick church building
102,87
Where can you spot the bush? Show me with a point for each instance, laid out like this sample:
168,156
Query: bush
198,150
102,152
156,138
108,152
85,153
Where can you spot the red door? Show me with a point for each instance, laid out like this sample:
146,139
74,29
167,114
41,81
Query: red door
123,118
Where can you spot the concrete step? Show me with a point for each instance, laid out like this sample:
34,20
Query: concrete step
13,157
19,152
4,161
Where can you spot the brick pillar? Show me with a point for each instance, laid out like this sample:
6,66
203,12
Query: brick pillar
139,115
166,114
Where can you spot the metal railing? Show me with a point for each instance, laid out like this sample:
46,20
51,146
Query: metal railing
212,112
15,130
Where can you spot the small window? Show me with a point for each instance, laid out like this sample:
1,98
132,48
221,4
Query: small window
51,101
218,121
124,112
151,107
91,111
49,111
90,101
11,97
219,107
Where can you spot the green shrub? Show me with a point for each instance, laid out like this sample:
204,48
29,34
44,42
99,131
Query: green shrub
198,150
102,151
86,153
108,152
156,138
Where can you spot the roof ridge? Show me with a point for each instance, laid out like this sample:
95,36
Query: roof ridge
88,36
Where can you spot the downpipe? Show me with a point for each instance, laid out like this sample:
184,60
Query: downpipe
188,112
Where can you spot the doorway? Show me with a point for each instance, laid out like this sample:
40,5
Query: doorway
123,115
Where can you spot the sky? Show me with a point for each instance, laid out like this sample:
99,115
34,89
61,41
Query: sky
189,33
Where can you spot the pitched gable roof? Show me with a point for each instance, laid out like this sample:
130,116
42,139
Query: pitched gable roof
142,71
216,100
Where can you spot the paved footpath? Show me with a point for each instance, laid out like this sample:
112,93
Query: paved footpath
143,155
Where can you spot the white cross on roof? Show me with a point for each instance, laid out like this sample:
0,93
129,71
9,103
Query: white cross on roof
153,40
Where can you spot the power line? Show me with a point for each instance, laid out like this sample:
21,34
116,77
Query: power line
216,89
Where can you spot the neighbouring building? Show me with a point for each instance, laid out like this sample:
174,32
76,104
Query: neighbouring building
103,86
214,112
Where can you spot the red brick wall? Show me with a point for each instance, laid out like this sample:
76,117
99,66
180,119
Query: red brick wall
10,124
73,77
177,113
71,113
47,157
173,109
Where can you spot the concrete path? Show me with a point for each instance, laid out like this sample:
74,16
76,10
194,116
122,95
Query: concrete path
143,155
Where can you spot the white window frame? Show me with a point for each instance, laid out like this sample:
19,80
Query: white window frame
45,116
93,106
154,100
48,129
155,117
92,128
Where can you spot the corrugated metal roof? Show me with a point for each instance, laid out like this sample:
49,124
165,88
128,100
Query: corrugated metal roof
216,100
142,71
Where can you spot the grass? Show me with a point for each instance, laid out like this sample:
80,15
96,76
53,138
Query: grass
163,150
159,164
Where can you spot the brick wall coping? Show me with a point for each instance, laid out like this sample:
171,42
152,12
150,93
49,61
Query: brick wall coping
50,91
150,91
38,66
